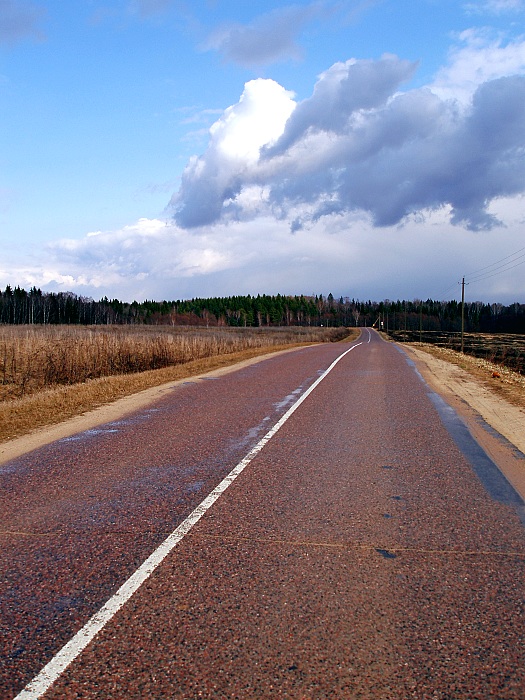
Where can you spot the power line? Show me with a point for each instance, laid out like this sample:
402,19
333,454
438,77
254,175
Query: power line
448,289
509,262
499,270
475,272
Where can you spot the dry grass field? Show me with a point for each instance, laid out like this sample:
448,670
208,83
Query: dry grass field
51,373
504,349
33,358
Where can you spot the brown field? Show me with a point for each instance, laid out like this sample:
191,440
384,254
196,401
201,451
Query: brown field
51,373
34,358
505,349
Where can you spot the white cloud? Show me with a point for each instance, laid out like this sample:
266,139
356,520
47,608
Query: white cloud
478,57
235,141
359,144
342,91
363,189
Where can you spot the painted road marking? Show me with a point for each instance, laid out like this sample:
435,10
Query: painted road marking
36,688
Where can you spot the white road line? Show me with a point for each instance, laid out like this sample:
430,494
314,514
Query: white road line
36,688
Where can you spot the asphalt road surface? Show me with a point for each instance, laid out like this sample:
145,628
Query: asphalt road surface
363,546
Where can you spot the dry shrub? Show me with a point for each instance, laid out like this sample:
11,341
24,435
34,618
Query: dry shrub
33,358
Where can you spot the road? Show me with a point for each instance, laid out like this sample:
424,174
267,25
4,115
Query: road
360,551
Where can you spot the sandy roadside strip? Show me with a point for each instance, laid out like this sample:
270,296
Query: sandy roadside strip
478,406
497,425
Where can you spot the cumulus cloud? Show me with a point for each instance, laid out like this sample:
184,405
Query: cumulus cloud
270,38
18,20
376,181
235,141
340,92
140,260
361,144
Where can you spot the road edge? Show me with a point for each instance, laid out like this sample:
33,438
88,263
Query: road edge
469,399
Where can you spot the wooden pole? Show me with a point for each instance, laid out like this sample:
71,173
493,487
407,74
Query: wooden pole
462,313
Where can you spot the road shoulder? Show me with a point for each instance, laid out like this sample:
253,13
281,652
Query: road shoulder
497,425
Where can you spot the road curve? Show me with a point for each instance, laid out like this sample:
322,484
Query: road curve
362,553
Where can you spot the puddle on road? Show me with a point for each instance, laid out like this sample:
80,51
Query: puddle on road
493,480
386,554
8,469
113,426
250,437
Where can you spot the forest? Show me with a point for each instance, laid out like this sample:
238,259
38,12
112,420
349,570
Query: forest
19,307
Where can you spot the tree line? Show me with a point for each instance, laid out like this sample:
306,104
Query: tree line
18,306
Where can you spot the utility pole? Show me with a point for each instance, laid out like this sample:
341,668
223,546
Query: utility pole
462,313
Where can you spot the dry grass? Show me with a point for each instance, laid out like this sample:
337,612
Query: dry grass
35,358
73,359
504,382
505,349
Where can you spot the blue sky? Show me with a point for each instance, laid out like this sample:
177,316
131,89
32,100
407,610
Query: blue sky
166,149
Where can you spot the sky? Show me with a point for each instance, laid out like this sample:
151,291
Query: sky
167,149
